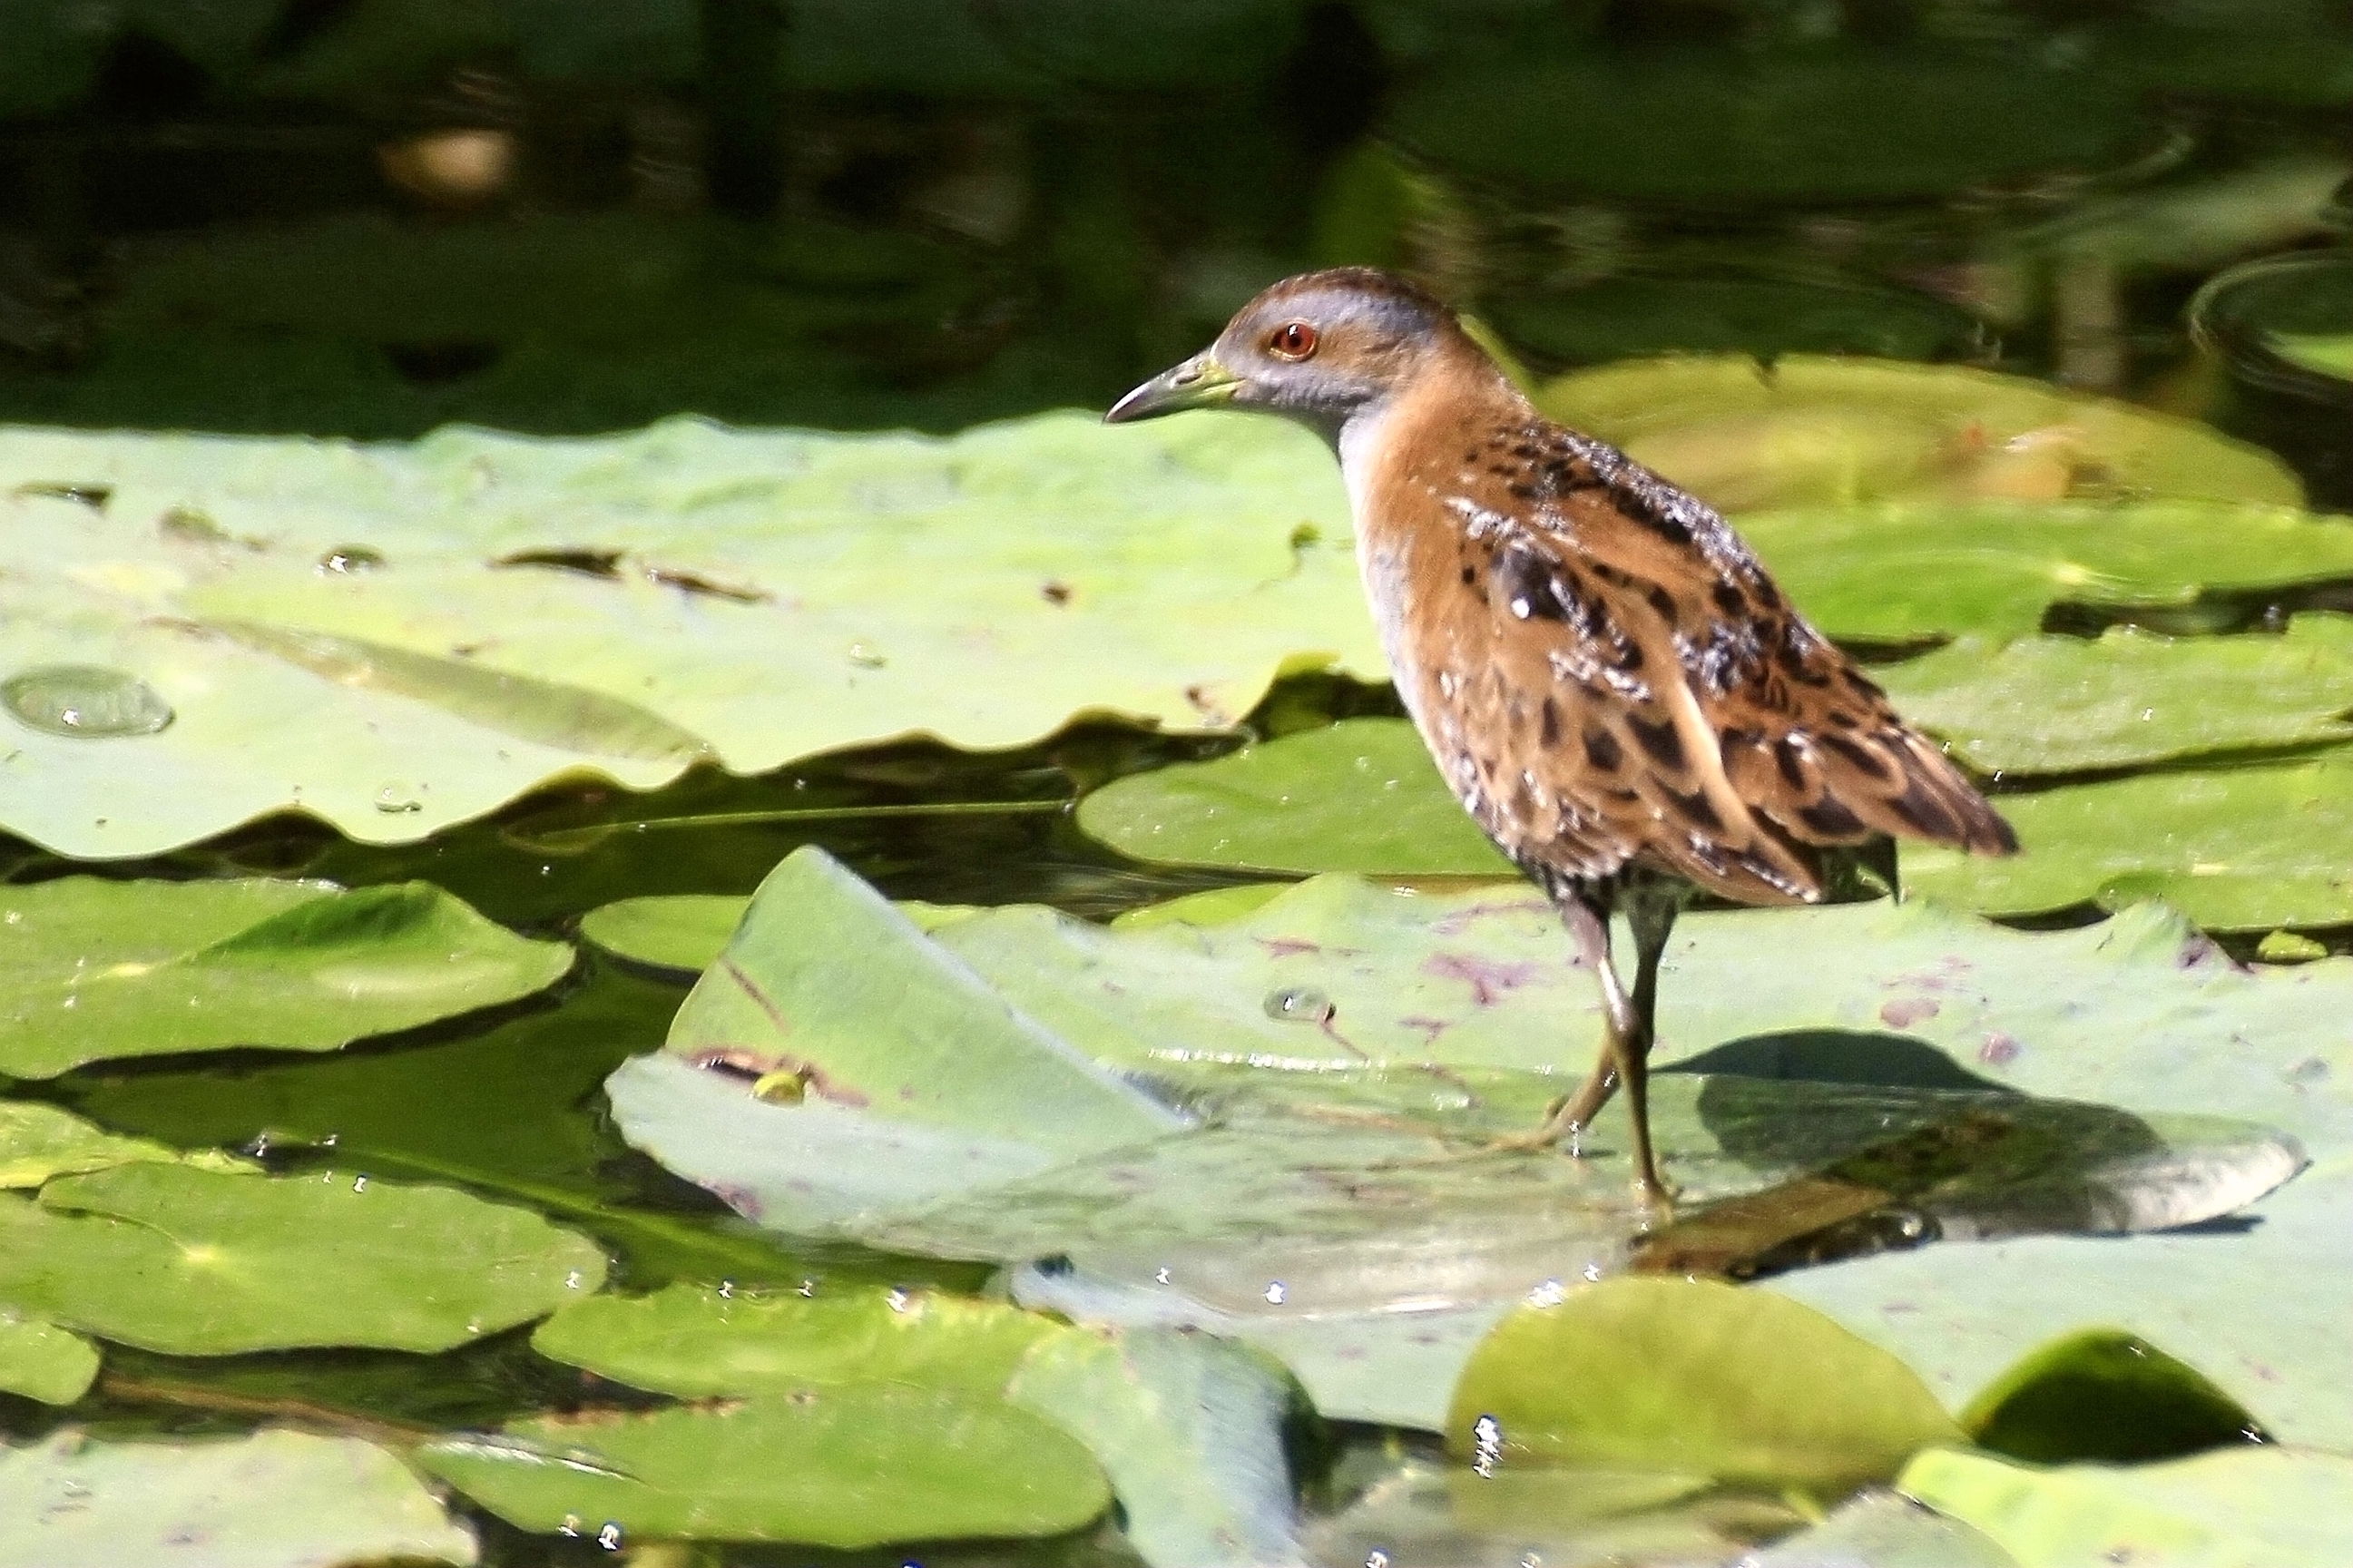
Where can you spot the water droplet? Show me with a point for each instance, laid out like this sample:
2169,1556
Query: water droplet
727,1289
1548,1294
1298,1005
395,798
1592,1273
866,655
330,1139
571,1279
571,1525
349,558
1160,1275
610,1537
1275,1293
359,1184
87,700
808,1287
1376,1558
260,1146
68,1001
1487,1444
896,1300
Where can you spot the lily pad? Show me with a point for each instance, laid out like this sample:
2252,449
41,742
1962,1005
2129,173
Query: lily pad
845,1466
1335,1163
2245,849
1361,795
192,1262
683,931
1692,1377
394,638
1819,430
97,969
2108,1396
2246,1508
1885,1530
38,1141
2065,704
701,1341
271,1499
44,1361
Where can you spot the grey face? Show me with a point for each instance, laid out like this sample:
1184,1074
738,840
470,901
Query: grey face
1314,351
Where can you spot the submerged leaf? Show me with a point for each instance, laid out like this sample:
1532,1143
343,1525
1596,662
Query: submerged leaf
270,1500
1694,1378
41,1361
92,969
2100,1395
686,931
194,1263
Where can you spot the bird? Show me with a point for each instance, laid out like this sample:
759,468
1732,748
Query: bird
1607,676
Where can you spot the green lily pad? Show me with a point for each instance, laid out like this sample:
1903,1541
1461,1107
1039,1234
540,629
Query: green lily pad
489,615
2324,353
1361,795
684,932
194,1262
100,969
1344,1053
1885,1530
2108,1396
842,1465
2063,704
271,1499
1901,573
38,1141
44,1361
698,1341
1818,431
1838,125
1692,1377
2231,1509
2245,849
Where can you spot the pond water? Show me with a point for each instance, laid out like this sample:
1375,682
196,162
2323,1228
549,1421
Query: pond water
940,215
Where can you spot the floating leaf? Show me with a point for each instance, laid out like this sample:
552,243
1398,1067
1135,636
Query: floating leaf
41,1361
844,1466
2105,1396
683,931
2246,1508
1822,430
95,968
698,1342
1694,1378
2243,848
192,1262
1339,1164
1190,1431
1167,573
38,1141
1361,795
270,1500
2063,704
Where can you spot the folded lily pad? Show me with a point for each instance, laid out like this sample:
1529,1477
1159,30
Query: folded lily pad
398,637
44,1361
2245,849
1345,1057
1695,1378
2065,704
194,1262
1361,795
271,1499
2246,1508
38,1141
1819,430
2107,1396
97,969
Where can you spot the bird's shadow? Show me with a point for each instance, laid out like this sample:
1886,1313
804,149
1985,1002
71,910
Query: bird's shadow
1862,1057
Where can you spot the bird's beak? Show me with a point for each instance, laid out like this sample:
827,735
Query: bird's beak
1200,382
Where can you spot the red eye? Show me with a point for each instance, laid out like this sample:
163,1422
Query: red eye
1293,340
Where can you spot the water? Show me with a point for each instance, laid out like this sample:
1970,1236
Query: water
2039,190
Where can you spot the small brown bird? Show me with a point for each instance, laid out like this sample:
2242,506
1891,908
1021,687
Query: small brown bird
1606,676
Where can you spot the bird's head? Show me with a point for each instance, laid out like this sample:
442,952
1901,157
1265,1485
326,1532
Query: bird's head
1320,348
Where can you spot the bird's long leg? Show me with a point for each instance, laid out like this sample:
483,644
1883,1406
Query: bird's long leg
1586,914
1650,910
